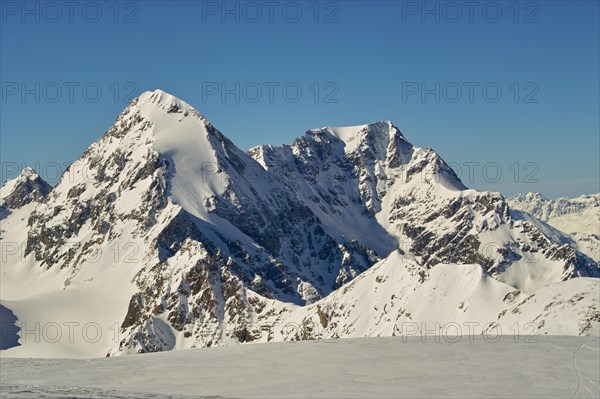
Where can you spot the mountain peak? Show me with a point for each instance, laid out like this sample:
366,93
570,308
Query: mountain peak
220,240
23,189
28,173
159,127
157,97
165,101
531,196
352,136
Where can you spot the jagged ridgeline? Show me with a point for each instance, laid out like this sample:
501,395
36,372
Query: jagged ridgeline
578,217
196,241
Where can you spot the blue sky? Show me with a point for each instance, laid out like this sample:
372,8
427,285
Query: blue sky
506,87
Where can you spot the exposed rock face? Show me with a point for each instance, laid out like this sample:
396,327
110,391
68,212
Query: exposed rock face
210,239
372,176
24,189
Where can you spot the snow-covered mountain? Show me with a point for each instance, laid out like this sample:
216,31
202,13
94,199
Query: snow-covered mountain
358,176
397,296
577,217
26,188
168,235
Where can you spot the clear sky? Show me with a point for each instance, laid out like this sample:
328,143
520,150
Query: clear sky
494,87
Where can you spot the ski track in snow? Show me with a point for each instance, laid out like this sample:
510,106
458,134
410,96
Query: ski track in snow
45,391
580,378
576,370
552,367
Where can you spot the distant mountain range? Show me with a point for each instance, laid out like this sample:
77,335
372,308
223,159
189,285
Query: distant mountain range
578,217
167,236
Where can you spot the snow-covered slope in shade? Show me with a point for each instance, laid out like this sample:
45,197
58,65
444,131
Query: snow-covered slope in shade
578,217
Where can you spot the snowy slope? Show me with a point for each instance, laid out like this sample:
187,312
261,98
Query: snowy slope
164,235
395,297
578,217
399,297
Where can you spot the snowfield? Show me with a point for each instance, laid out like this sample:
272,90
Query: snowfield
513,367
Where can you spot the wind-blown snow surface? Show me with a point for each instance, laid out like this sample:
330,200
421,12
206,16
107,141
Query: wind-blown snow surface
164,235
512,367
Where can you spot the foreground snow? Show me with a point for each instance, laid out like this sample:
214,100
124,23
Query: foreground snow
375,367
